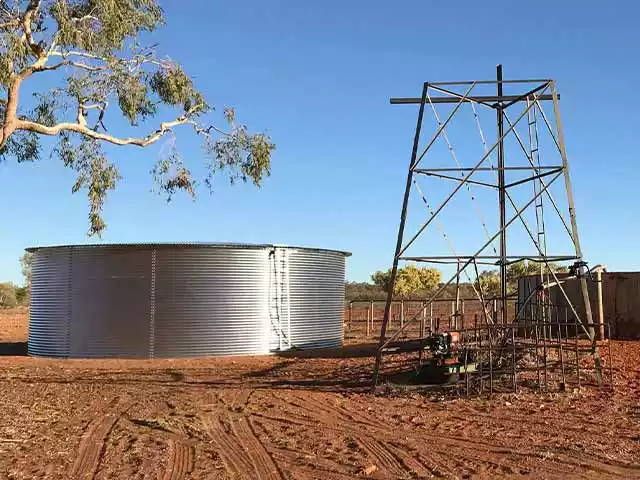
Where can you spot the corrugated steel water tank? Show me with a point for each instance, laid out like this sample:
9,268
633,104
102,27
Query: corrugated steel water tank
184,300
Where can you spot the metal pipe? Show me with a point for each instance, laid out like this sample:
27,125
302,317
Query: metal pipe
447,177
490,82
599,269
501,199
477,99
534,177
481,169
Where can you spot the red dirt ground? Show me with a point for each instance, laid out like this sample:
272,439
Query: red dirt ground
297,418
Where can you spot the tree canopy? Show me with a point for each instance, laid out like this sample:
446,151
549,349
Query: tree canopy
490,279
90,54
26,265
410,280
8,295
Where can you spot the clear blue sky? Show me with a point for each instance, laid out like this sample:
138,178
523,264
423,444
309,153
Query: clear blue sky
317,76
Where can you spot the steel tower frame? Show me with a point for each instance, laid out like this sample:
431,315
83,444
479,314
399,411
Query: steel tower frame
537,91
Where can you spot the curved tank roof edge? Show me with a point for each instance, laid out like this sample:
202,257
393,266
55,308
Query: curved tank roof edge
249,246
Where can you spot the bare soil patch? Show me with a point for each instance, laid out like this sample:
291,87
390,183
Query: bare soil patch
306,415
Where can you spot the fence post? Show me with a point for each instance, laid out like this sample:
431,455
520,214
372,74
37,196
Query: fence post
350,313
368,319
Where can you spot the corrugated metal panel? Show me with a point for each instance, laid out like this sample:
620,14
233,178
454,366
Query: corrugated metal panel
317,298
184,302
110,299
50,305
211,302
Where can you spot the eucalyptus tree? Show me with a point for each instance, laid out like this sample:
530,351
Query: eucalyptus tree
90,57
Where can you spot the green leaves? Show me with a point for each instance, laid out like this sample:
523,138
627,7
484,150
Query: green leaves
410,280
171,176
133,98
174,87
95,173
101,27
243,156
23,146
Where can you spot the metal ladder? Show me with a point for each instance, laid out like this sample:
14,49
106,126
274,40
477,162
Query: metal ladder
279,301
543,308
534,155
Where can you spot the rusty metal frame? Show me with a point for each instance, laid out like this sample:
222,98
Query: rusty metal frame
539,91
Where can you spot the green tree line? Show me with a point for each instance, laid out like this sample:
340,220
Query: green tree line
420,282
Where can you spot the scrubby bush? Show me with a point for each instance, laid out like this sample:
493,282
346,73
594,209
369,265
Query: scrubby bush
8,295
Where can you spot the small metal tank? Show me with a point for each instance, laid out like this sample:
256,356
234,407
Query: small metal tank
184,300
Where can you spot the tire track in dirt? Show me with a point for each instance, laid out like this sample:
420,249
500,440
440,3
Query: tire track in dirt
241,400
315,465
333,414
411,462
554,461
181,459
92,446
242,452
383,458
232,454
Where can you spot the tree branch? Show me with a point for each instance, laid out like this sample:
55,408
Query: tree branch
78,54
81,128
69,63
11,23
30,12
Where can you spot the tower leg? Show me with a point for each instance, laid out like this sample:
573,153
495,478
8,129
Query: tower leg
396,257
574,234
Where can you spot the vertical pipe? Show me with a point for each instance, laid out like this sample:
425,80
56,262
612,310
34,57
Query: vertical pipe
610,357
368,317
457,312
561,351
502,202
600,303
350,313
480,357
452,318
537,343
490,359
575,321
513,359
423,324
544,344
371,307
494,307
401,313
431,325
403,218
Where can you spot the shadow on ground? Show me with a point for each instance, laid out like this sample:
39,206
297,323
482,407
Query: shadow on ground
13,349
361,350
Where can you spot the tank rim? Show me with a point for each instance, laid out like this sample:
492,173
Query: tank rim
181,245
